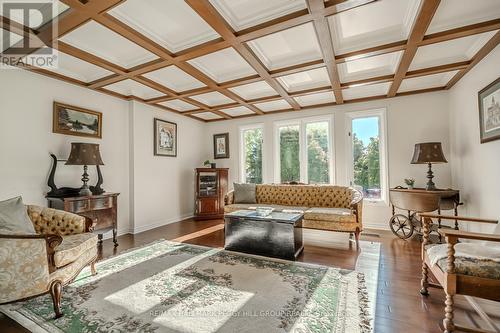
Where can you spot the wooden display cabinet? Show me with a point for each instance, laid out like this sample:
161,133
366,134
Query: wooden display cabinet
211,187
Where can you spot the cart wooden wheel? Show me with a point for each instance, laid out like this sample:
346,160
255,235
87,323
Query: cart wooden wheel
402,226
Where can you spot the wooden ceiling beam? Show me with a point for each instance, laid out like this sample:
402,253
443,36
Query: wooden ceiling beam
438,69
317,9
425,15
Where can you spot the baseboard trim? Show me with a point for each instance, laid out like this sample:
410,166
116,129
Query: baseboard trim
158,224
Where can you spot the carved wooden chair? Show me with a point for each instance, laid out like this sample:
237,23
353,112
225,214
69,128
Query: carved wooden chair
466,269
35,264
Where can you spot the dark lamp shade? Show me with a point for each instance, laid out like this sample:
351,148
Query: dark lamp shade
84,154
428,152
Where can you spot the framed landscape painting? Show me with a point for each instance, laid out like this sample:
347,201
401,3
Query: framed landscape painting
489,112
165,138
221,145
73,120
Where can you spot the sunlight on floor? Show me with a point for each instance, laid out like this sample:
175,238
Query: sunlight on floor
200,233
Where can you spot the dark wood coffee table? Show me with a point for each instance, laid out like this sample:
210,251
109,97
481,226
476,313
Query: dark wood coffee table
277,235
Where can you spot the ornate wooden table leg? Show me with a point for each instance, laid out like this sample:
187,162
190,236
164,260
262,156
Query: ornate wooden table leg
114,237
55,292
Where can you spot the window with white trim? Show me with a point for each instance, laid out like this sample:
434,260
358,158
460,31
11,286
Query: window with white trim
251,157
367,153
303,151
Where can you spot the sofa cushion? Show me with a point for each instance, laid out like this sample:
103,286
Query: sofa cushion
330,214
73,246
14,218
244,193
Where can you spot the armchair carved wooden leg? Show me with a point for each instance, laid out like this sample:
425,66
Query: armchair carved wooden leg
356,236
424,283
448,324
55,292
92,267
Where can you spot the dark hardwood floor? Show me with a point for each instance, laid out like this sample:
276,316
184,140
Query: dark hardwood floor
392,267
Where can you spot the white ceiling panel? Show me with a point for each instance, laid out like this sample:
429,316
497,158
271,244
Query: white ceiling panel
270,106
306,80
369,67
457,13
212,98
224,65
104,43
254,90
179,105
366,91
242,14
377,23
131,87
174,78
314,99
36,18
207,116
451,51
238,111
428,81
288,47
13,39
172,24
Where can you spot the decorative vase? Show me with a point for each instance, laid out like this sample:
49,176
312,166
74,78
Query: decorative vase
410,187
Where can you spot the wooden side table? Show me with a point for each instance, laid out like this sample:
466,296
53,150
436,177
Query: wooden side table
101,208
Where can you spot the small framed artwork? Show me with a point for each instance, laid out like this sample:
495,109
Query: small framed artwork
221,145
165,138
73,120
489,112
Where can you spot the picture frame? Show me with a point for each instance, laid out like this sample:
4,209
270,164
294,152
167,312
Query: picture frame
489,112
165,138
221,145
73,120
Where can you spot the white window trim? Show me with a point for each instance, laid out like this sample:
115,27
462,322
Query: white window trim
384,165
302,122
241,151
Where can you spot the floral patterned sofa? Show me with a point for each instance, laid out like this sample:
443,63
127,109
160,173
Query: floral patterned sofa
325,207
34,264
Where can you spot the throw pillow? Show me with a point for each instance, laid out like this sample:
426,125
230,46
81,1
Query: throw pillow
244,193
14,218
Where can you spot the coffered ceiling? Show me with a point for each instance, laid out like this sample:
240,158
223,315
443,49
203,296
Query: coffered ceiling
214,60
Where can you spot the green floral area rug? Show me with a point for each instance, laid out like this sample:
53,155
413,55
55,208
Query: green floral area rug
175,287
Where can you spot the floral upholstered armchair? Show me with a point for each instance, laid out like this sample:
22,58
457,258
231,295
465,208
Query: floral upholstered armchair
35,264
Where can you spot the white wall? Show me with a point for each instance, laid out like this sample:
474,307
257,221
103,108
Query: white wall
410,119
26,139
154,189
163,187
475,166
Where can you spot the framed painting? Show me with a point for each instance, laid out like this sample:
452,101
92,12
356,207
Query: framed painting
165,138
489,112
221,145
73,120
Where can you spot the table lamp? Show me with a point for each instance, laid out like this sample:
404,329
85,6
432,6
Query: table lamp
428,153
84,154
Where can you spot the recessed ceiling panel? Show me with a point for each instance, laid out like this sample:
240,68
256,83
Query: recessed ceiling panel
46,12
174,78
457,13
368,90
270,106
451,51
376,23
212,98
207,116
104,43
305,80
179,105
425,82
254,90
288,47
224,65
130,87
172,23
242,14
238,111
13,39
314,99
369,67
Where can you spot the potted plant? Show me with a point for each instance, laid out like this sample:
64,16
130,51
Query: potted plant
209,165
410,182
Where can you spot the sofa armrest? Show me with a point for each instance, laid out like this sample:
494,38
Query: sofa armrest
49,221
229,198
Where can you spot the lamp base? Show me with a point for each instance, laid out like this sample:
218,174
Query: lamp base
430,175
84,192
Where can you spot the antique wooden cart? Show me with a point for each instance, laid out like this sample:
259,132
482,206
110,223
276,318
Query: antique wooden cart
415,201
